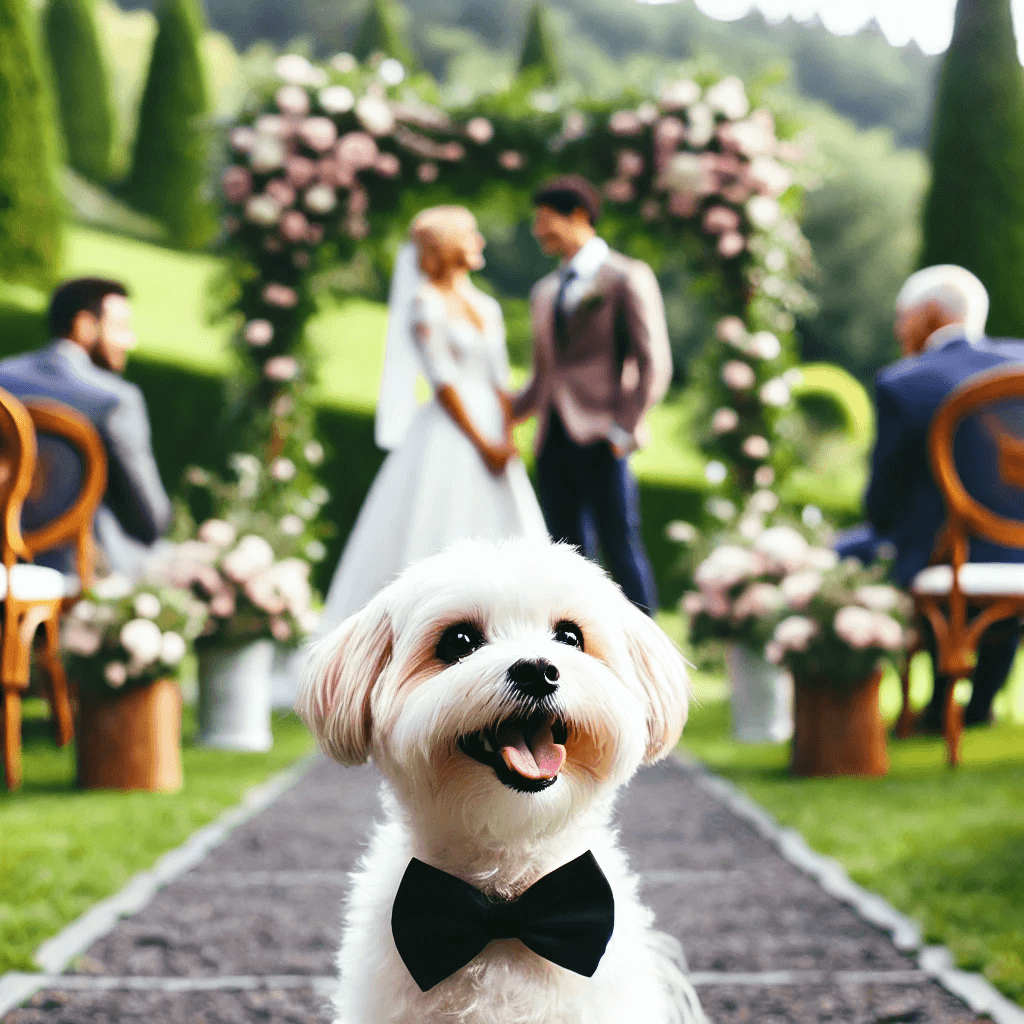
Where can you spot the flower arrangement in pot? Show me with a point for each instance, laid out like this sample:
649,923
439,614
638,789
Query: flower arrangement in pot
250,564
125,645
739,597
833,638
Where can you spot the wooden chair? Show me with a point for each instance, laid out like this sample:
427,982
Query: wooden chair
32,595
959,598
61,428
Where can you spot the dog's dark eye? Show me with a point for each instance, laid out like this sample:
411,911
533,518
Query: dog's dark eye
570,634
458,641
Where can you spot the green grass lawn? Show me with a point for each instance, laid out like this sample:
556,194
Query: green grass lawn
943,846
64,849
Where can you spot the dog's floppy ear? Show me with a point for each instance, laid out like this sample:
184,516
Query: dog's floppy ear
341,670
661,671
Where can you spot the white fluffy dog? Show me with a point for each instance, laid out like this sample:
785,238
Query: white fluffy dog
499,774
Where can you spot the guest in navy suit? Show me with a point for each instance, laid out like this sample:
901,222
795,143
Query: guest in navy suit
90,322
940,325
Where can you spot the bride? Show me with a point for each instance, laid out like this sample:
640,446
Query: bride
453,472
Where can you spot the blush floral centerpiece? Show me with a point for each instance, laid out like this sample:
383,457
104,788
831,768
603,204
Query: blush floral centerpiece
250,563
125,646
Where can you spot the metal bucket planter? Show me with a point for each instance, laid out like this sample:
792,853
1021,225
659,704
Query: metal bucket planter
761,697
235,695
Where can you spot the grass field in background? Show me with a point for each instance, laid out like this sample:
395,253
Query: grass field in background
64,849
944,846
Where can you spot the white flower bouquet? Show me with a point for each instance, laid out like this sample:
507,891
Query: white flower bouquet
122,635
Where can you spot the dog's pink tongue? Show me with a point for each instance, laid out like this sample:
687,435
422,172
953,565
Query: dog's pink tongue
541,758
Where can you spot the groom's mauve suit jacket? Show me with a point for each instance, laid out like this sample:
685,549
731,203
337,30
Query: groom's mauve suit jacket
616,363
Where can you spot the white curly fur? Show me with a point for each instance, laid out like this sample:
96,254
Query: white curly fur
373,688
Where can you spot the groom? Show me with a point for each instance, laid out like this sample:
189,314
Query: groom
601,360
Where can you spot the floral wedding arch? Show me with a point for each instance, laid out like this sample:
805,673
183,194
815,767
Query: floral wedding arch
331,161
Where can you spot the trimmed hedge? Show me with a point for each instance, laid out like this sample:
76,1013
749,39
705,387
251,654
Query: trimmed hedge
30,202
381,32
81,86
539,57
974,213
170,159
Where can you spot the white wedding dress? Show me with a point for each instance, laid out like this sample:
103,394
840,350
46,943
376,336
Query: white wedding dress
434,488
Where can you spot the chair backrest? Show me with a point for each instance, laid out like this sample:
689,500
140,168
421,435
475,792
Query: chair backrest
976,448
68,486
17,466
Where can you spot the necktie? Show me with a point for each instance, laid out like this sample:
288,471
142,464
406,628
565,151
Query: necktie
561,315
440,923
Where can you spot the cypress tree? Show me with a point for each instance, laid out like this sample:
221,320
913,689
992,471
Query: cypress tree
30,202
80,81
169,159
539,56
381,32
974,212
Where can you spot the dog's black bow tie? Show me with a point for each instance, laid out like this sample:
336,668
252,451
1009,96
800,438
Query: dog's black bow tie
440,922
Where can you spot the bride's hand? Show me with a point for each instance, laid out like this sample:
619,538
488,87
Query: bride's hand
497,456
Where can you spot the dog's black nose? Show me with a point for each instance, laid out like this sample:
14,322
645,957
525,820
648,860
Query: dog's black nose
537,679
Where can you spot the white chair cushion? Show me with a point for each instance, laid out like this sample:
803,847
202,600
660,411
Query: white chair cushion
33,583
976,578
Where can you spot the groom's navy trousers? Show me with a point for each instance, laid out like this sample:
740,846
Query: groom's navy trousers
585,489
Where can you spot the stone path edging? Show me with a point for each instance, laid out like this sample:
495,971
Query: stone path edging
55,954
936,961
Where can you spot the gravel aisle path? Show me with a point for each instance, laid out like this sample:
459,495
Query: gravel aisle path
249,935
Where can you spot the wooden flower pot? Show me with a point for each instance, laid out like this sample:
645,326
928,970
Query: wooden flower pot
838,731
130,740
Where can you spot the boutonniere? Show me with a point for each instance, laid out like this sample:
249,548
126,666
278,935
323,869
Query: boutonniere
591,301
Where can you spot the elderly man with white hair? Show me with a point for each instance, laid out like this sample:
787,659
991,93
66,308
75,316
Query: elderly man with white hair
940,325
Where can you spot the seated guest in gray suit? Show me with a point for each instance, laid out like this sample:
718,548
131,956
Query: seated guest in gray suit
940,324
90,322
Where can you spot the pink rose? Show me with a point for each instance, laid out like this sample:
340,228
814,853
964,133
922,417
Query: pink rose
855,626
693,603
795,633
237,184
784,548
280,630
720,219
387,165
315,234
756,447
249,557
281,368
728,97
888,633
300,170
800,587
738,376
292,100
878,597
620,191
512,160
724,421
280,295
650,210
358,150
732,331
725,567
625,122
731,244
358,201
683,204
630,164
319,133
480,130
759,601
427,172
294,226
452,152
242,139
764,476
281,192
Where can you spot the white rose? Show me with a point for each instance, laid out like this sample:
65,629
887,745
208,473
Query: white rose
758,600
217,532
756,447
172,649
681,532
715,472
764,212
268,153
313,452
337,99
283,470
375,115
142,639
315,551
147,606
821,559
294,68
764,345
250,556
79,638
775,393
725,567
680,93
800,587
291,525
765,502
729,97
764,476
855,626
700,126
888,632
795,633
783,547
878,597
320,199
391,72
115,587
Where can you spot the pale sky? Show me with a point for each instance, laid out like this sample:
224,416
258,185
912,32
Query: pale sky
930,22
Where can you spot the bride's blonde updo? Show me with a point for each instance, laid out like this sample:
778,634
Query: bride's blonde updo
439,234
